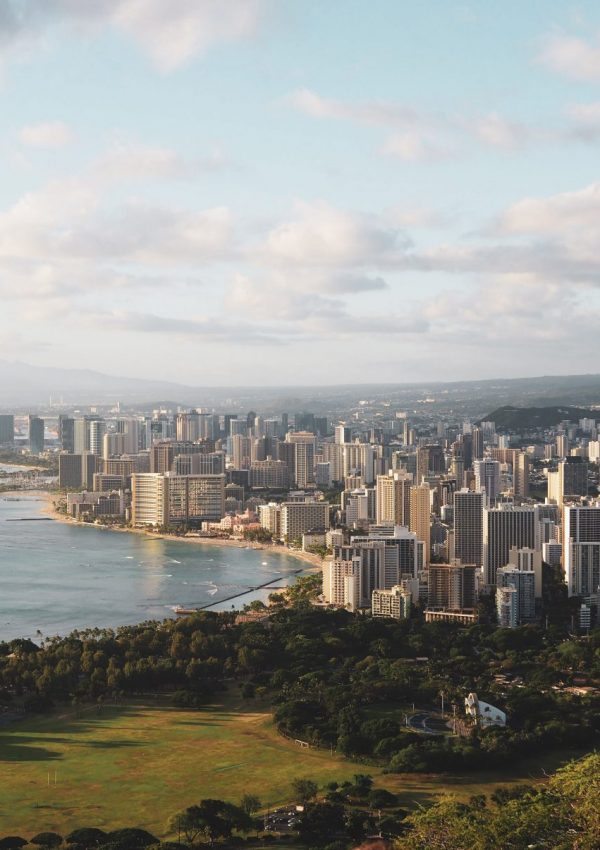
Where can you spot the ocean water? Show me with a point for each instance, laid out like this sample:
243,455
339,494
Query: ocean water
56,577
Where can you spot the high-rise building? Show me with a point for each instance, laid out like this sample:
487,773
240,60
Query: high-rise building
305,444
287,454
321,426
304,422
430,461
393,498
403,552
468,526
165,499
130,429
162,455
452,586
477,442
354,572
342,434
81,435
36,435
573,477
241,456
487,477
420,516
507,606
359,507
70,471
581,549
299,517
149,501
205,496
552,553
66,433
562,445
270,518
270,474
187,426
506,526
90,464
211,463
7,429
520,475
515,609
528,561
97,431
323,477
594,451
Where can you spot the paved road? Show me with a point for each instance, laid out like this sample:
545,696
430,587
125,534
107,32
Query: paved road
430,724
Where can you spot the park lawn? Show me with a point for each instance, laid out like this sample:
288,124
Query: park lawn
136,765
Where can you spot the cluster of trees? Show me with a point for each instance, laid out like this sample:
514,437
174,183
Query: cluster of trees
86,838
562,814
258,535
332,677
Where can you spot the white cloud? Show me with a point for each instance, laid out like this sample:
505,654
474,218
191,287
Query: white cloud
171,32
413,146
377,113
320,234
416,134
51,134
571,56
494,130
70,219
575,212
586,113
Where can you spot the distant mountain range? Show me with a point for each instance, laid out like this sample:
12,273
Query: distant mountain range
23,385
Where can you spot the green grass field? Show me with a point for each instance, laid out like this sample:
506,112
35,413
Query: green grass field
139,764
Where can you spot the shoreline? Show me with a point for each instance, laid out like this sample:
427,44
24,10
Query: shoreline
313,562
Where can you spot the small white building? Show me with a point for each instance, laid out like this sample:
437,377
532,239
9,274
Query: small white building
483,713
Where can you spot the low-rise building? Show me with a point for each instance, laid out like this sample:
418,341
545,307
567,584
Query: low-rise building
483,713
394,603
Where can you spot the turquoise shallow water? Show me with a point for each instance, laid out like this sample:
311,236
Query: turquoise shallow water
56,577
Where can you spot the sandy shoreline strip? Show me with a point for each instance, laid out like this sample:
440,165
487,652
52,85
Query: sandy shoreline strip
313,562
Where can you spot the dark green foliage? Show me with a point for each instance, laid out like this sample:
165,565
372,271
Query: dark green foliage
562,815
213,819
130,839
517,418
382,799
47,840
321,823
304,789
336,680
86,838
12,842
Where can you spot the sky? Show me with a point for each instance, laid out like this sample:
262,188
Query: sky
275,192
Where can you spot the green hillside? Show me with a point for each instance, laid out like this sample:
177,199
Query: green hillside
515,418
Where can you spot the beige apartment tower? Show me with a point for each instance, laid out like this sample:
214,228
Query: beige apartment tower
393,498
420,517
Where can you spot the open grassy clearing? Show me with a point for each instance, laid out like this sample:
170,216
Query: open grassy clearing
138,764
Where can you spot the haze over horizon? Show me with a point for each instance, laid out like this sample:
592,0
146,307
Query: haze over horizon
300,194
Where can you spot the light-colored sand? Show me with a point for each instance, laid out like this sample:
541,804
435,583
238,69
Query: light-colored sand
314,561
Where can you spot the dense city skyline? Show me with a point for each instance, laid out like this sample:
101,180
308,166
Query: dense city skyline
270,193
